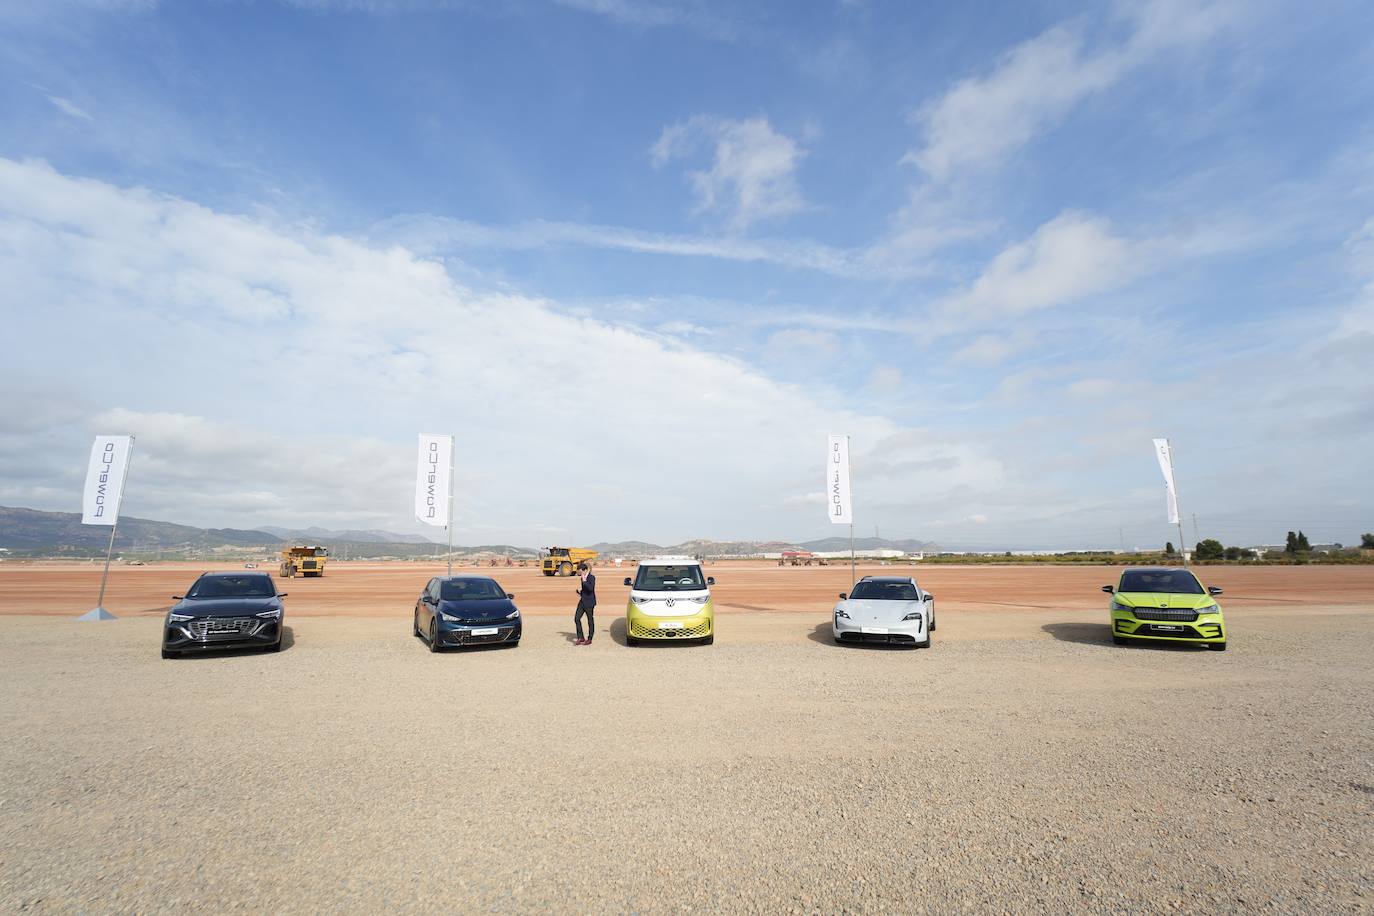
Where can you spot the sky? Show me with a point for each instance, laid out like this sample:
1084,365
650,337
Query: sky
640,257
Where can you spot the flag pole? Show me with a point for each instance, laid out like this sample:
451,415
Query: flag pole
109,549
450,505
1182,545
853,576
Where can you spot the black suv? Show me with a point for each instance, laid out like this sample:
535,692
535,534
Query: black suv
225,610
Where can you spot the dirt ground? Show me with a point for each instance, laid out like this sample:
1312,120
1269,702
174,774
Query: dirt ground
1022,764
385,589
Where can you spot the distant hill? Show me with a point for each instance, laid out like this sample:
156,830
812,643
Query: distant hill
709,548
31,530
365,536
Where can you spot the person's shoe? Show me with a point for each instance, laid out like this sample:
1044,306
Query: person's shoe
579,642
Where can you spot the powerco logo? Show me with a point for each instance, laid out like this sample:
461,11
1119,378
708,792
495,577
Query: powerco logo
836,487
102,483
432,481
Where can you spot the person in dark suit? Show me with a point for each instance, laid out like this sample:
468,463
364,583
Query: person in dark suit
586,604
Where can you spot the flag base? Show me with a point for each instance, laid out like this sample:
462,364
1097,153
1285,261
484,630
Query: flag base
97,614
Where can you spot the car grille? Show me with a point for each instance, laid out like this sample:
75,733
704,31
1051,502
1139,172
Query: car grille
221,627
1163,613
640,631
463,638
880,638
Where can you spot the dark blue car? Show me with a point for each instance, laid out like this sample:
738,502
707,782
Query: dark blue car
225,610
466,611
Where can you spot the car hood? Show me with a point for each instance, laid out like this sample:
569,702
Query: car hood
865,610
482,610
226,607
1164,600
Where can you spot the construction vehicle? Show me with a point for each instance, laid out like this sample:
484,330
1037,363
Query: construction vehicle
563,561
303,560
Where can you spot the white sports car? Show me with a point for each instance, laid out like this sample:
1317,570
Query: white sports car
886,609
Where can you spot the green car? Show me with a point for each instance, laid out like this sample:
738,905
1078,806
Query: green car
1168,605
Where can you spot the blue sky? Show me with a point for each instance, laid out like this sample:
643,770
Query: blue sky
1000,247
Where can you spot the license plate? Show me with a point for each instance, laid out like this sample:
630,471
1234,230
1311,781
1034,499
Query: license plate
881,631
670,624
1160,626
485,631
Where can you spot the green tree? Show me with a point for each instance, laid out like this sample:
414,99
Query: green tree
1168,548
1208,549
1291,545
1231,553
1303,546
1367,541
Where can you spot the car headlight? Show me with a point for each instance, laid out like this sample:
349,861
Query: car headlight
840,612
1209,609
1118,606
274,615
449,618
914,615
513,614
698,600
179,618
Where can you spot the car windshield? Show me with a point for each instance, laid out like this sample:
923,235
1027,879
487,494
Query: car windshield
232,587
885,591
470,590
669,578
1172,581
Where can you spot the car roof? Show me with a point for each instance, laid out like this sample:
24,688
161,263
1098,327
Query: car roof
1158,569
888,579
670,561
235,572
465,578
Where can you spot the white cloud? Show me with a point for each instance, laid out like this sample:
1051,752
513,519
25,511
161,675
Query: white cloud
69,108
1072,256
752,173
273,373
982,119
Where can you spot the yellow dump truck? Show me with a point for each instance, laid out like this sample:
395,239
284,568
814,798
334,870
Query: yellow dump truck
562,561
303,560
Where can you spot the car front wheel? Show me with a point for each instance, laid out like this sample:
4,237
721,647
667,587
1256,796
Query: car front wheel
434,636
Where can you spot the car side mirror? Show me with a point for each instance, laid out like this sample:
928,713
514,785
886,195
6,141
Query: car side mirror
710,580
843,596
929,596
1213,590
178,597
1108,589
627,580
510,595
281,594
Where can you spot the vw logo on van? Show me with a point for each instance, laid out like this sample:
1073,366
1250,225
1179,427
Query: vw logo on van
671,601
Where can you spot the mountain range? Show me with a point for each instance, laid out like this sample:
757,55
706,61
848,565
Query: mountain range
33,532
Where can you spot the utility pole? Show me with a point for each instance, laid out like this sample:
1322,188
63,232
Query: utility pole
1195,534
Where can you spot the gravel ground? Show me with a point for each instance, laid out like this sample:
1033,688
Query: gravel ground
1031,767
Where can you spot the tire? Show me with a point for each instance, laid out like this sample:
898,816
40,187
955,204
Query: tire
1118,640
1217,646
565,569
548,572
276,646
630,640
924,645
415,624
932,621
434,636
167,653
709,641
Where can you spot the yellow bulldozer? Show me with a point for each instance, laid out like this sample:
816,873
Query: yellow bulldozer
303,560
562,561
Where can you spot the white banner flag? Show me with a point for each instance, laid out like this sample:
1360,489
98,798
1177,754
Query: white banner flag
1166,464
432,479
837,504
105,480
